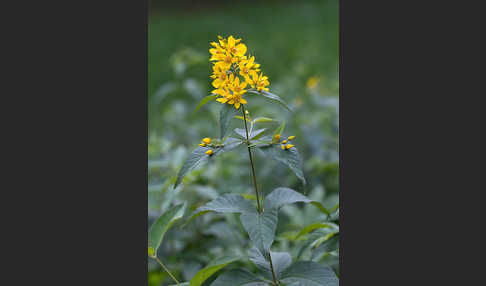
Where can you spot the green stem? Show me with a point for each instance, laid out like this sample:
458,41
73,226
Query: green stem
166,270
260,208
251,160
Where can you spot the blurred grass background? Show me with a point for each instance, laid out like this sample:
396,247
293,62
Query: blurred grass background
296,43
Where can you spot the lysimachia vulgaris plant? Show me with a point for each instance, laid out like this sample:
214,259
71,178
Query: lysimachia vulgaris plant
236,74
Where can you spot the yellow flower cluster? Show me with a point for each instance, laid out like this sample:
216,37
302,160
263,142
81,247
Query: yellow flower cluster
283,142
231,63
205,141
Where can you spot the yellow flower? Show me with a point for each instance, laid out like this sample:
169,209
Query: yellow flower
248,68
209,152
282,146
216,52
291,137
289,146
277,137
202,144
261,82
236,87
220,76
206,140
284,142
312,82
238,50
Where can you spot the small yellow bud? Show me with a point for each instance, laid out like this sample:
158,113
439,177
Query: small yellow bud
206,140
289,146
246,111
291,137
209,152
284,141
202,145
282,146
277,136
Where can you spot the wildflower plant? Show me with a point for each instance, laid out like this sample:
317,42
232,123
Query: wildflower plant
235,74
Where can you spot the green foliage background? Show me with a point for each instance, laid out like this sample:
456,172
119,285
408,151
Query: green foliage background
293,41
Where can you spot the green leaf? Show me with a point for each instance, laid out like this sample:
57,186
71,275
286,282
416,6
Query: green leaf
204,101
272,97
263,119
326,247
289,157
195,159
314,226
161,225
280,129
280,261
256,136
209,270
284,196
226,113
323,239
228,203
151,251
241,117
238,277
253,135
199,157
261,228
309,273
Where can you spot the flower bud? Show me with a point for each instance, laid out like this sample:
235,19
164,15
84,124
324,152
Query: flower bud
284,142
277,136
289,146
291,137
206,140
202,144
209,152
282,146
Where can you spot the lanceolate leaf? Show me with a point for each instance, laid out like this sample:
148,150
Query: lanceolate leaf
263,119
195,159
238,277
204,101
330,245
199,157
209,270
252,135
314,226
272,97
283,196
261,228
289,157
228,203
226,113
161,225
280,261
308,273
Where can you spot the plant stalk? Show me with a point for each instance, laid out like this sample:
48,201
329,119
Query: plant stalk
251,160
167,270
260,208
